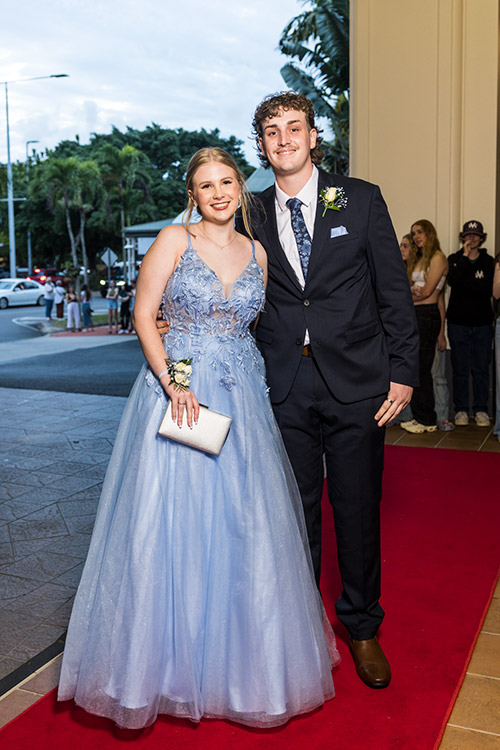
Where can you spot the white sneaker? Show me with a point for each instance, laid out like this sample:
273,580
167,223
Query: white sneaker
482,419
417,428
461,418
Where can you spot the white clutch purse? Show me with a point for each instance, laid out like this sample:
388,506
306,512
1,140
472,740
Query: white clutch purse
208,435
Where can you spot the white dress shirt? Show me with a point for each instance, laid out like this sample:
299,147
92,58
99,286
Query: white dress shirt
309,197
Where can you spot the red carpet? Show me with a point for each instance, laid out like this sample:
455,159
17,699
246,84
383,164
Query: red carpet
440,523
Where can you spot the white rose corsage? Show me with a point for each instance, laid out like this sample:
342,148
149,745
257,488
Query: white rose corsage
180,371
333,197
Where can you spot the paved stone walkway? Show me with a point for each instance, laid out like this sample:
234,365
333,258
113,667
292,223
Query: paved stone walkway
54,450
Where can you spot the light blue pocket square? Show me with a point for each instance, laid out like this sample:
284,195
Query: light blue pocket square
337,231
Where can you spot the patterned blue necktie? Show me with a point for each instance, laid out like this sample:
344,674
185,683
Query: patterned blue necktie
302,236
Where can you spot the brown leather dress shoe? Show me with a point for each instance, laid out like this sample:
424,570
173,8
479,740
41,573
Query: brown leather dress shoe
371,663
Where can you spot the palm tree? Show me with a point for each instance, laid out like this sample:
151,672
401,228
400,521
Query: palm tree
62,183
319,40
126,174
88,191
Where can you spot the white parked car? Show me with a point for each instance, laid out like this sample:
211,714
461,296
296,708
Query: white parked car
20,292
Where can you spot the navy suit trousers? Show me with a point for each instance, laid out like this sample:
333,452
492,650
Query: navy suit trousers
315,424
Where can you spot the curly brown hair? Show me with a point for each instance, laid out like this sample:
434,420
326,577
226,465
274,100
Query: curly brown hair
272,106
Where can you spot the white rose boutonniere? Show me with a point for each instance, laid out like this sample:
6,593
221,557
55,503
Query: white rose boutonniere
333,197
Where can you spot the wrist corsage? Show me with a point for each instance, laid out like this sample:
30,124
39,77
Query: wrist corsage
180,371
333,197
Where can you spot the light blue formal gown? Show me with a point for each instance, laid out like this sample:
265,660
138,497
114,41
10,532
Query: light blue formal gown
197,597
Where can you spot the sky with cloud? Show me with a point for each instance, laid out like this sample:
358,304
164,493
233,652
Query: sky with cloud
200,63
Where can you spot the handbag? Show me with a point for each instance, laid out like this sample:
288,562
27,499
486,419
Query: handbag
209,435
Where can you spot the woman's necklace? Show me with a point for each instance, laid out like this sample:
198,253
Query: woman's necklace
221,247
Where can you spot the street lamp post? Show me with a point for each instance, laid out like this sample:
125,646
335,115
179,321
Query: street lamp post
10,194
10,186
30,260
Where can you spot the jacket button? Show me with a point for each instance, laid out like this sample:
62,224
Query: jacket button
298,342
306,303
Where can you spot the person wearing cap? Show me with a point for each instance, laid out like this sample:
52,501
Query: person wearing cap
470,318
496,296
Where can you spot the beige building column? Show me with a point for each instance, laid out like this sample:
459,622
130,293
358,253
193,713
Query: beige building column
424,110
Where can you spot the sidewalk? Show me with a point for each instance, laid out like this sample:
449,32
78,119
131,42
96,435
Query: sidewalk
55,449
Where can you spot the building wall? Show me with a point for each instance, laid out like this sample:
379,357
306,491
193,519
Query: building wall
424,110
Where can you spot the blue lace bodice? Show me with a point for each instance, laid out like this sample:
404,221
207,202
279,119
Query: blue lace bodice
204,322
194,298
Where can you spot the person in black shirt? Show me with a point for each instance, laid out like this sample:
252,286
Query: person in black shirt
470,318
496,296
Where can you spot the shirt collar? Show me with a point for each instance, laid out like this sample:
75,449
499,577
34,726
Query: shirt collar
307,195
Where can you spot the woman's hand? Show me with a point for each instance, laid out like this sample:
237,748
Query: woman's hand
183,403
441,342
416,291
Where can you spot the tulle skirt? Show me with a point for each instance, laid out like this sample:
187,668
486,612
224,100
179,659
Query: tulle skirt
197,597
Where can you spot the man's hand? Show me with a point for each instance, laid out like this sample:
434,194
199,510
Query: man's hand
162,326
398,397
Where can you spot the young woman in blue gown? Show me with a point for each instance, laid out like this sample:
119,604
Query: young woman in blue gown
197,598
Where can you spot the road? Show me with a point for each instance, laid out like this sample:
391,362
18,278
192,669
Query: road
101,364
102,369
9,331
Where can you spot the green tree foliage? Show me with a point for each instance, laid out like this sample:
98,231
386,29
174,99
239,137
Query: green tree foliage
126,178
61,183
318,39
87,199
81,196
168,151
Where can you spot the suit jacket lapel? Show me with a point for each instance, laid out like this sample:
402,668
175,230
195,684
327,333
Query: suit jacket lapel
271,240
321,226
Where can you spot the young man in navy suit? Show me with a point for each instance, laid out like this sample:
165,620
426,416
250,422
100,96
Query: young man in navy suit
340,343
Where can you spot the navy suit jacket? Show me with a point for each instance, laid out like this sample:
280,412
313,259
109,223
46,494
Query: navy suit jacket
356,303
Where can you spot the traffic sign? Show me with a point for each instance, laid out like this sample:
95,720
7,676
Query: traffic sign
109,257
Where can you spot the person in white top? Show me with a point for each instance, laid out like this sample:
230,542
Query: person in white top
427,268
48,293
59,294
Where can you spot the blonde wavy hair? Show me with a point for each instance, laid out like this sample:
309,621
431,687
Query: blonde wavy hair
218,155
430,248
